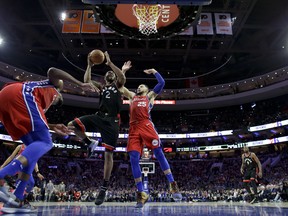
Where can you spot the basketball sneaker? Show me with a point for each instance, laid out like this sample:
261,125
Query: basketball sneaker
6,192
8,199
101,196
142,198
23,207
174,189
253,199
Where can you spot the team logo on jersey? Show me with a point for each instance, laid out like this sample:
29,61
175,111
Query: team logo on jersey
155,142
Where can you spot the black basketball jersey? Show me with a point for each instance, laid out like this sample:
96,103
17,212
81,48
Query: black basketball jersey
110,100
249,162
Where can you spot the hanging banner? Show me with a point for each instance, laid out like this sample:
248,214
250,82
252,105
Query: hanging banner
205,26
72,22
223,23
88,23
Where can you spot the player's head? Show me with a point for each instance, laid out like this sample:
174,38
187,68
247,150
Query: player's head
110,77
246,149
142,90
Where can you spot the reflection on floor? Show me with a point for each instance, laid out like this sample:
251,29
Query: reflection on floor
165,209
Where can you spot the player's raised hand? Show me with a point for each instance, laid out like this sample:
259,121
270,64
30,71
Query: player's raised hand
126,66
89,87
108,60
89,62
150,71
40,176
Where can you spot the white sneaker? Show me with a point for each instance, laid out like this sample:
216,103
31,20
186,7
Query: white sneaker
25,208
6,192
5,198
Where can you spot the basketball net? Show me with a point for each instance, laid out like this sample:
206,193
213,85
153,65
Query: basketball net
147,17
145,173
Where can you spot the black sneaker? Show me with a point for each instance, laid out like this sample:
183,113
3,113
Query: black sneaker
253,200
101,196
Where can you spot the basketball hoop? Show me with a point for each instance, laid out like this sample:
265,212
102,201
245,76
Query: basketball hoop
147,17
145,172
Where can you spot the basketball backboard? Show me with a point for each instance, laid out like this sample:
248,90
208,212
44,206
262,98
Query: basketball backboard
147,166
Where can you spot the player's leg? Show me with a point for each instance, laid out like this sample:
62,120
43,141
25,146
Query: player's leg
82,124
109,130
246,182
253,185
134,149
152,141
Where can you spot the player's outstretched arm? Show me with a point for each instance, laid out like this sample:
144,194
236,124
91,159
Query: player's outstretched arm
160,85
127,93
121,79
258,164
56,76
39,175
87,75
11,157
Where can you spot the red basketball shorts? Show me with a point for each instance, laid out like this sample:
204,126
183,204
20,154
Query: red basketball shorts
142,134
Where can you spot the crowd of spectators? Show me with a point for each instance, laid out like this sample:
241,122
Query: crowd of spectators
75,180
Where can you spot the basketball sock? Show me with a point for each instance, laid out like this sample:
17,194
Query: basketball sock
136,170
140,186
20,187
105,183
254,187
30,184
170,177
11,169
163,163
87,140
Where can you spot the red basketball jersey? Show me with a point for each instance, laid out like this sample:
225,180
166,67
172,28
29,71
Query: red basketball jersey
140,107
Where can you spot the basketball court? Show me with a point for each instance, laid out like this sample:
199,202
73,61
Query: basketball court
151,209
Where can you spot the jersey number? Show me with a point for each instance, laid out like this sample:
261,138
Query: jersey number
107,94
141,104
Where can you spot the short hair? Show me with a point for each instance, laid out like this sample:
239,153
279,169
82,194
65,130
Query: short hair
145,86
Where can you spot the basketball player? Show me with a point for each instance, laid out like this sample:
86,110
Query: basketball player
106,120
250,166
142,131
22,109
31,182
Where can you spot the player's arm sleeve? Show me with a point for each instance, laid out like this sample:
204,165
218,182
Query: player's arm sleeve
160,85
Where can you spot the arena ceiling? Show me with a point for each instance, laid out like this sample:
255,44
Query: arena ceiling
33,40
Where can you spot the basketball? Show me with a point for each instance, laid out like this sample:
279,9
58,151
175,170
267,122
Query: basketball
97,57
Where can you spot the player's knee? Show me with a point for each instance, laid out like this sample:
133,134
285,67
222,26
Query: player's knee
134,156
158,153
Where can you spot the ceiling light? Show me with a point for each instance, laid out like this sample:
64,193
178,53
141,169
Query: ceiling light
1,40
63,16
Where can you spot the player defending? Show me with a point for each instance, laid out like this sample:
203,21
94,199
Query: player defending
250,166
31,182
106,120
22,112
142,131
